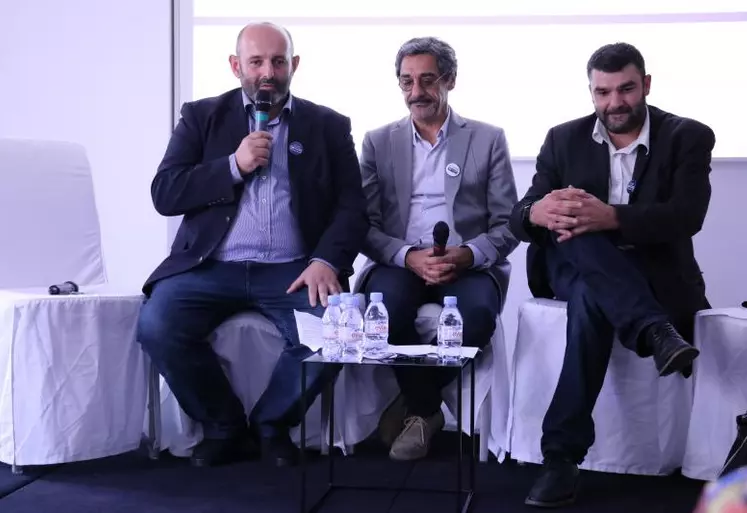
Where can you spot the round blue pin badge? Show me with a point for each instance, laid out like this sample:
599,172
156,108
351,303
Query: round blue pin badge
296,148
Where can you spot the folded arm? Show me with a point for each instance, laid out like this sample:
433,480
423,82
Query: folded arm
546,179
183,182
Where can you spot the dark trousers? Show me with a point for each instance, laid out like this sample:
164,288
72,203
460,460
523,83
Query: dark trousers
184,309
607,294
479,302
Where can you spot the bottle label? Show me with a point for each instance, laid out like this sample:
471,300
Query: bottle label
350,335
329,332
377,328
451,333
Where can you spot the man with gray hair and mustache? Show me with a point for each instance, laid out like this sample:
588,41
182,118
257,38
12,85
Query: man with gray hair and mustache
428,167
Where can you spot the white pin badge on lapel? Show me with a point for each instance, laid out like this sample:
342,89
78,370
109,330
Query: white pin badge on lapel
296,148
453,170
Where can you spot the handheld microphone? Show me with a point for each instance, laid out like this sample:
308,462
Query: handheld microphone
440,237
64,289
262,105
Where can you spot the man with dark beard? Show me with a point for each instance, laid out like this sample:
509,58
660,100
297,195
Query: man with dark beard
610,216
273,221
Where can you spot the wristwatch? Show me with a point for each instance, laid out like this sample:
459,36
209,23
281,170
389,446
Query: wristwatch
526,210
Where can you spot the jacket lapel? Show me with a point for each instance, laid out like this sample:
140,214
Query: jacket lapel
302,158
458,141
401,147
238,122
646,160
600,171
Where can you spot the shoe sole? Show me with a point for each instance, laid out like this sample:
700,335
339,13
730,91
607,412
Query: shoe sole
550,505
679,360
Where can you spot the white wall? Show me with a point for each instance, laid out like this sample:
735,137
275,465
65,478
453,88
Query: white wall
98,73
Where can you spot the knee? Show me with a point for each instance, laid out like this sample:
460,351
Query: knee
152,329
157,329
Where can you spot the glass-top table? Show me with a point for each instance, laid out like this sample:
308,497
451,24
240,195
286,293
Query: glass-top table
464,494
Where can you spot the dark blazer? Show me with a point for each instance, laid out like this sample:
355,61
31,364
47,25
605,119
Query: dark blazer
665,210
194,180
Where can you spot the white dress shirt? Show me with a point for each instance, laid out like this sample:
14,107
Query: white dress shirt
428,200
622,161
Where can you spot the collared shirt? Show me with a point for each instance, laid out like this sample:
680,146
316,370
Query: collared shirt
622,161
264,228
428,200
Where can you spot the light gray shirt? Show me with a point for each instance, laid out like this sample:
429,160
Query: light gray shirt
428,201
264,228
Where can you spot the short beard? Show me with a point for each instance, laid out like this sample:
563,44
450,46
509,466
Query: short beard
636,118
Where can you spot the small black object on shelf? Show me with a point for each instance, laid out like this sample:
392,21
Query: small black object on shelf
64,289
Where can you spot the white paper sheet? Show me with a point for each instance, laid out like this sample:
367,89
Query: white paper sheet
310,334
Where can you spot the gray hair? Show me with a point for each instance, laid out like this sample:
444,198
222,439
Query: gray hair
443,53
282,30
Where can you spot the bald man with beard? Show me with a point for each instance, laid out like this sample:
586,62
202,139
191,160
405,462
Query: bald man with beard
272,222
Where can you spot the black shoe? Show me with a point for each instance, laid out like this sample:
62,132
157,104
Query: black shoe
671,352
279,450
213,452
556,485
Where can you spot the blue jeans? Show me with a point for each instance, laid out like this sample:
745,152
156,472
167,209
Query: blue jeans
183,310
479,302
607,293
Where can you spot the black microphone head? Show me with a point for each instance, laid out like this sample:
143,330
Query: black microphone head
440,234
263,100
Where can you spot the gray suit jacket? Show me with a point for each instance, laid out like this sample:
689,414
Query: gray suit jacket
480,197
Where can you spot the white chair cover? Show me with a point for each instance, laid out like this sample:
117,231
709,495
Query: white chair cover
640,419
720,390
48,219
248,346
72,379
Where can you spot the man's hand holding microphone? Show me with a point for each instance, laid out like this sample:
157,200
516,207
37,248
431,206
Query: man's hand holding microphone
254,150
441,263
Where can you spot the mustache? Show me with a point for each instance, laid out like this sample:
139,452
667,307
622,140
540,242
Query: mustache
420,99
619,110
269,81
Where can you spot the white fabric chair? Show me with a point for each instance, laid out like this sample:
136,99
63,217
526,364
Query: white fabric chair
640,419
248,346
72,378
720,374
370,389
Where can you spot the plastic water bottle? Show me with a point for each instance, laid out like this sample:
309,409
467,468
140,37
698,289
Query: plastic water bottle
450,330
343,297
376,326
331,347
351,330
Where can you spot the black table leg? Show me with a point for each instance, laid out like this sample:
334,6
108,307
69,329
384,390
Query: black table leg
302,456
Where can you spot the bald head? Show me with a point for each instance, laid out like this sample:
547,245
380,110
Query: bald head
264,60
264,30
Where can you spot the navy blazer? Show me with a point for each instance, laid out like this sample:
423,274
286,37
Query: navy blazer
194,180
665,210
